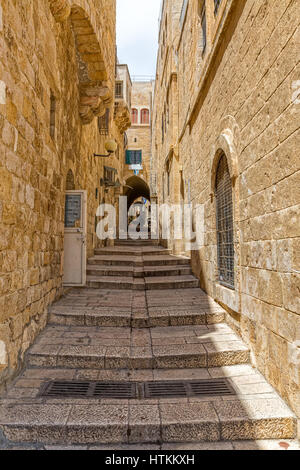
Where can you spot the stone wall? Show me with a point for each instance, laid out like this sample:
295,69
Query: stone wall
169,183
240,96
67,51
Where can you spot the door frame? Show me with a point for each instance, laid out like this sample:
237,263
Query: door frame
83,233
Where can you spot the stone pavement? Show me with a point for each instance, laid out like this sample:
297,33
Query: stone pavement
131,335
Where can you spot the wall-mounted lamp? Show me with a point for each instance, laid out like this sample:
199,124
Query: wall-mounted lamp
110,146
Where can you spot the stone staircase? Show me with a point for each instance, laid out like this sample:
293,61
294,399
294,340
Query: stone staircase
127,335
139,267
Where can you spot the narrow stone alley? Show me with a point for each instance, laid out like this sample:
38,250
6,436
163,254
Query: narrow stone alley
147,325
183,135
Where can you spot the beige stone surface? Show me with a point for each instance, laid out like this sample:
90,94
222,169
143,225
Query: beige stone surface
49,48
132,354
237,96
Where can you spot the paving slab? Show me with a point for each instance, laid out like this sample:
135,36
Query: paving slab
255,419
144,318
190,422
162,347
97,423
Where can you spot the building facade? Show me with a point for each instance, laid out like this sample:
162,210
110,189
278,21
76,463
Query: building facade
165,155
226,137
138,156
58,109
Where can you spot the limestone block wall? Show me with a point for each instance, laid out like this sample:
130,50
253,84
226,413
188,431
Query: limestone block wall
166,164
43,54
241,96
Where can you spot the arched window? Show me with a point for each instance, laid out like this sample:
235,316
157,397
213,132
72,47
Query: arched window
134,116
70,185
225,224
145,116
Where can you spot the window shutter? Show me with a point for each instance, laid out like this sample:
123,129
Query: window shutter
133,157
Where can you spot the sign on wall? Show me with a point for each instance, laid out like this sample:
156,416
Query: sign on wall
72,210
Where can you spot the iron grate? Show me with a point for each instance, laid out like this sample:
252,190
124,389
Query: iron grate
74,389
194,388
225,229
136,390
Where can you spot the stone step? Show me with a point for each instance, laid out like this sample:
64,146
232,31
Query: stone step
117,317
122,271
255,412
115,283
100,423
153,348
137,243
165,260
138,261
116,261
172,282
131,251
160,271
149,283
95,307
253,445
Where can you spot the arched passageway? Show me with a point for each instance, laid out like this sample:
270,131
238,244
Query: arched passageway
135,188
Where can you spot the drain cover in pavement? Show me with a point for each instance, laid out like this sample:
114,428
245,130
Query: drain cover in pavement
136,390
89,390
195,388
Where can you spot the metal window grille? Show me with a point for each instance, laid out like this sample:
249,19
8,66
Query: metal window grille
217,4
225,224
103,123
109,175
119,90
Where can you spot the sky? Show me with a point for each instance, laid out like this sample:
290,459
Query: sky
137,35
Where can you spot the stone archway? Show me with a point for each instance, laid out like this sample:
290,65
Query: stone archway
225,145
228,142
94,85
95,89
135,188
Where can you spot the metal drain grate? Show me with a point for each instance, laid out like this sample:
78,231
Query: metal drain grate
121,390
165,389
193,388
211,388
136,390
115,390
